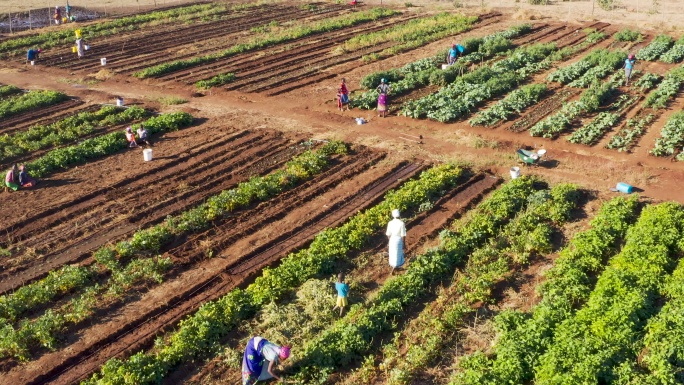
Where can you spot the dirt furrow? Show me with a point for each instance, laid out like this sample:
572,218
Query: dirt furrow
121,56
423,227
87,354
62,114
320,43
106,221
17,122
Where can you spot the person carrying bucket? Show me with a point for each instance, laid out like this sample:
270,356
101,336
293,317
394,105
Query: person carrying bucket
455,51
259,360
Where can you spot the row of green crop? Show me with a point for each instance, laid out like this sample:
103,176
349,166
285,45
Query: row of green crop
350,338
100,146
8,91
529,233
65,130
591,133
590,101
201,331
65,36
523,337
660,45
426,71
667,89
267,39
29,101
513,103
462,96
18,341
664,339
675,54
45,330
627,136
646,81
594,345
671,137
598,62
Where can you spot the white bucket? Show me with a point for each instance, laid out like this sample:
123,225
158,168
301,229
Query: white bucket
541,152
515,172
33,62
147,154
119,102
445,66
103,61
86,47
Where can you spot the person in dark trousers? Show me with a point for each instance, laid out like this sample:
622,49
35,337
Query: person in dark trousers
33,54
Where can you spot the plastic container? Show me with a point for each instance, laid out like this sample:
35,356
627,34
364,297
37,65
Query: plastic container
64,20
147,154
33,62
445,66
360,121
86,47
78,33
624,188
515,172
119,102
541,152
74,49
103,61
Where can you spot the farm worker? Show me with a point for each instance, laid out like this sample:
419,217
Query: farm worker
260,359
25,179
58,15
143,137
343,95
455,51
33,54
80,49
67,10
628,66
12,177
130,137
396,232
383,89
342,292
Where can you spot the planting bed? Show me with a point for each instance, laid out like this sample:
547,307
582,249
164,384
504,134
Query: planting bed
116,270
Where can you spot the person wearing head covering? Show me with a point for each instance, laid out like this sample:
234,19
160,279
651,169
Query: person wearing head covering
383,90
130,137
58,15
33,54
455,51
396,233
12,178
628,66
343,96
25,179
259,360
80,47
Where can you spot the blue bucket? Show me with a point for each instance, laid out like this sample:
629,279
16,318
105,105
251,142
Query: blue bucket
624,188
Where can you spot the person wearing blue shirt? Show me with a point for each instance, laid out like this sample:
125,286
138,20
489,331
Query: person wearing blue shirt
33,54
455,51
342,292
628,66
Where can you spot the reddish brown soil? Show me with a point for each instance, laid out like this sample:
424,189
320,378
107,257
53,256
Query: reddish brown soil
23,121
61,217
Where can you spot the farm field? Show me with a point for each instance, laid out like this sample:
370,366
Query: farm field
116,270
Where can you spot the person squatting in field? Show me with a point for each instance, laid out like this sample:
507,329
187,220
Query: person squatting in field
396,234
259,360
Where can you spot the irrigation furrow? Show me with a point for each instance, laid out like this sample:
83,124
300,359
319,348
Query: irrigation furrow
28,118
107,221
86,355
